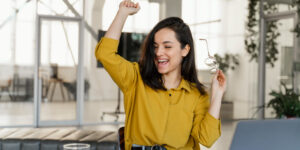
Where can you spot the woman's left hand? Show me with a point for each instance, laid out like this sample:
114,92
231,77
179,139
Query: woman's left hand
218,84
217,91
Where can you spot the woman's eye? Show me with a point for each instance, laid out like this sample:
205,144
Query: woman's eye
168,47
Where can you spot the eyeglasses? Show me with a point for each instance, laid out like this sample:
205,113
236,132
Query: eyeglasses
210,60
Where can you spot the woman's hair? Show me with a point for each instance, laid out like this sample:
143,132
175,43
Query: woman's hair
149,72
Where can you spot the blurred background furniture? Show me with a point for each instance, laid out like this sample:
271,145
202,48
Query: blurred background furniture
71,88
22,88
5,88
54,82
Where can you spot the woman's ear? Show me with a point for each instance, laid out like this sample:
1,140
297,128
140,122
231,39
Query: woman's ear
185,51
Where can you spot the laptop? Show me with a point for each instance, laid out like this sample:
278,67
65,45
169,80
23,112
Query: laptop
280,134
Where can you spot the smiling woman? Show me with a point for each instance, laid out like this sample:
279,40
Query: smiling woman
166,107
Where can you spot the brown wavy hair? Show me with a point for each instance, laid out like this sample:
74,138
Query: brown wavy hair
148,70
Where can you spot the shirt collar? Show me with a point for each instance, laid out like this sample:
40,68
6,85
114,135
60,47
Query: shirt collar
185,85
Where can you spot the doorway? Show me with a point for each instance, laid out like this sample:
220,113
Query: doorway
283,71
59,76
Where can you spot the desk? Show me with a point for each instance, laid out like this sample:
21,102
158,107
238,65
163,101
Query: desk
55,81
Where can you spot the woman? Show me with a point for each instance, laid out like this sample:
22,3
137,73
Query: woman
165,105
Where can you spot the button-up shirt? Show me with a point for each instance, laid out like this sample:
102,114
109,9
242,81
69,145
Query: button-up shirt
176,118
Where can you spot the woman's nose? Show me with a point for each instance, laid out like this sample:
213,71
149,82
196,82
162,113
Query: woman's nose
159,51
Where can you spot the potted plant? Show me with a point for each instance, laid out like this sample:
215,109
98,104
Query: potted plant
286,104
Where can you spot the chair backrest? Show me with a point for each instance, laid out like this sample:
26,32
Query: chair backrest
5,83
282,134
121,138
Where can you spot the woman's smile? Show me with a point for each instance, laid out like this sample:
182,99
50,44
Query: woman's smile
162,63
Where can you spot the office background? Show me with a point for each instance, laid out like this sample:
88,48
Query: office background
49,75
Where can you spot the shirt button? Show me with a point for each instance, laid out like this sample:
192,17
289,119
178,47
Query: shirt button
170,94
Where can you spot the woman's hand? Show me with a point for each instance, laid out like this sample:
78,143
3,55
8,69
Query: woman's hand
217,91
218,84
128,7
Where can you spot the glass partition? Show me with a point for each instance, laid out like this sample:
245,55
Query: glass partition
17,63
282,72
58,69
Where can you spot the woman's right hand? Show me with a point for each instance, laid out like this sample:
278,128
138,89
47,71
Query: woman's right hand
128,7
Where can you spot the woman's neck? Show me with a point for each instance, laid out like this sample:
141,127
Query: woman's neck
171,80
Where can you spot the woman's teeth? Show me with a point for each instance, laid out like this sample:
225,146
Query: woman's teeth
162,61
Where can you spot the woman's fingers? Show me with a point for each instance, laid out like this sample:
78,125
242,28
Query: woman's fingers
129,3
129,7
219,82
222,74
124,3
221,78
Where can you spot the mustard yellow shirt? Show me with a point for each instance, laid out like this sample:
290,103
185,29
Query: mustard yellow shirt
177,118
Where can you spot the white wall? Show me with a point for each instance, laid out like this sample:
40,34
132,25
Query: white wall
241,89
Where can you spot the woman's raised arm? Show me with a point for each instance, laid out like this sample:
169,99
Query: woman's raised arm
122,71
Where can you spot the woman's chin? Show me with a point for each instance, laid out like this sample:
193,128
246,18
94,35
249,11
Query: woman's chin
162,71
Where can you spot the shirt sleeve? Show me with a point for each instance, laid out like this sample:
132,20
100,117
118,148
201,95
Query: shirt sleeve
123,72
206,129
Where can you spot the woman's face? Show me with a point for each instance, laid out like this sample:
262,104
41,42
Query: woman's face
168,51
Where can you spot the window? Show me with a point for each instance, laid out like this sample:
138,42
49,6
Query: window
6,17
203,18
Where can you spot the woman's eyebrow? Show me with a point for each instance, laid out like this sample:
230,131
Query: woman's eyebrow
165,42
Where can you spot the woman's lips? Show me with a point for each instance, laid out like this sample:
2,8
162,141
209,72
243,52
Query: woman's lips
162,63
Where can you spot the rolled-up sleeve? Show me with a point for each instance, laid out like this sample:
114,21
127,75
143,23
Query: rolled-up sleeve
206,129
